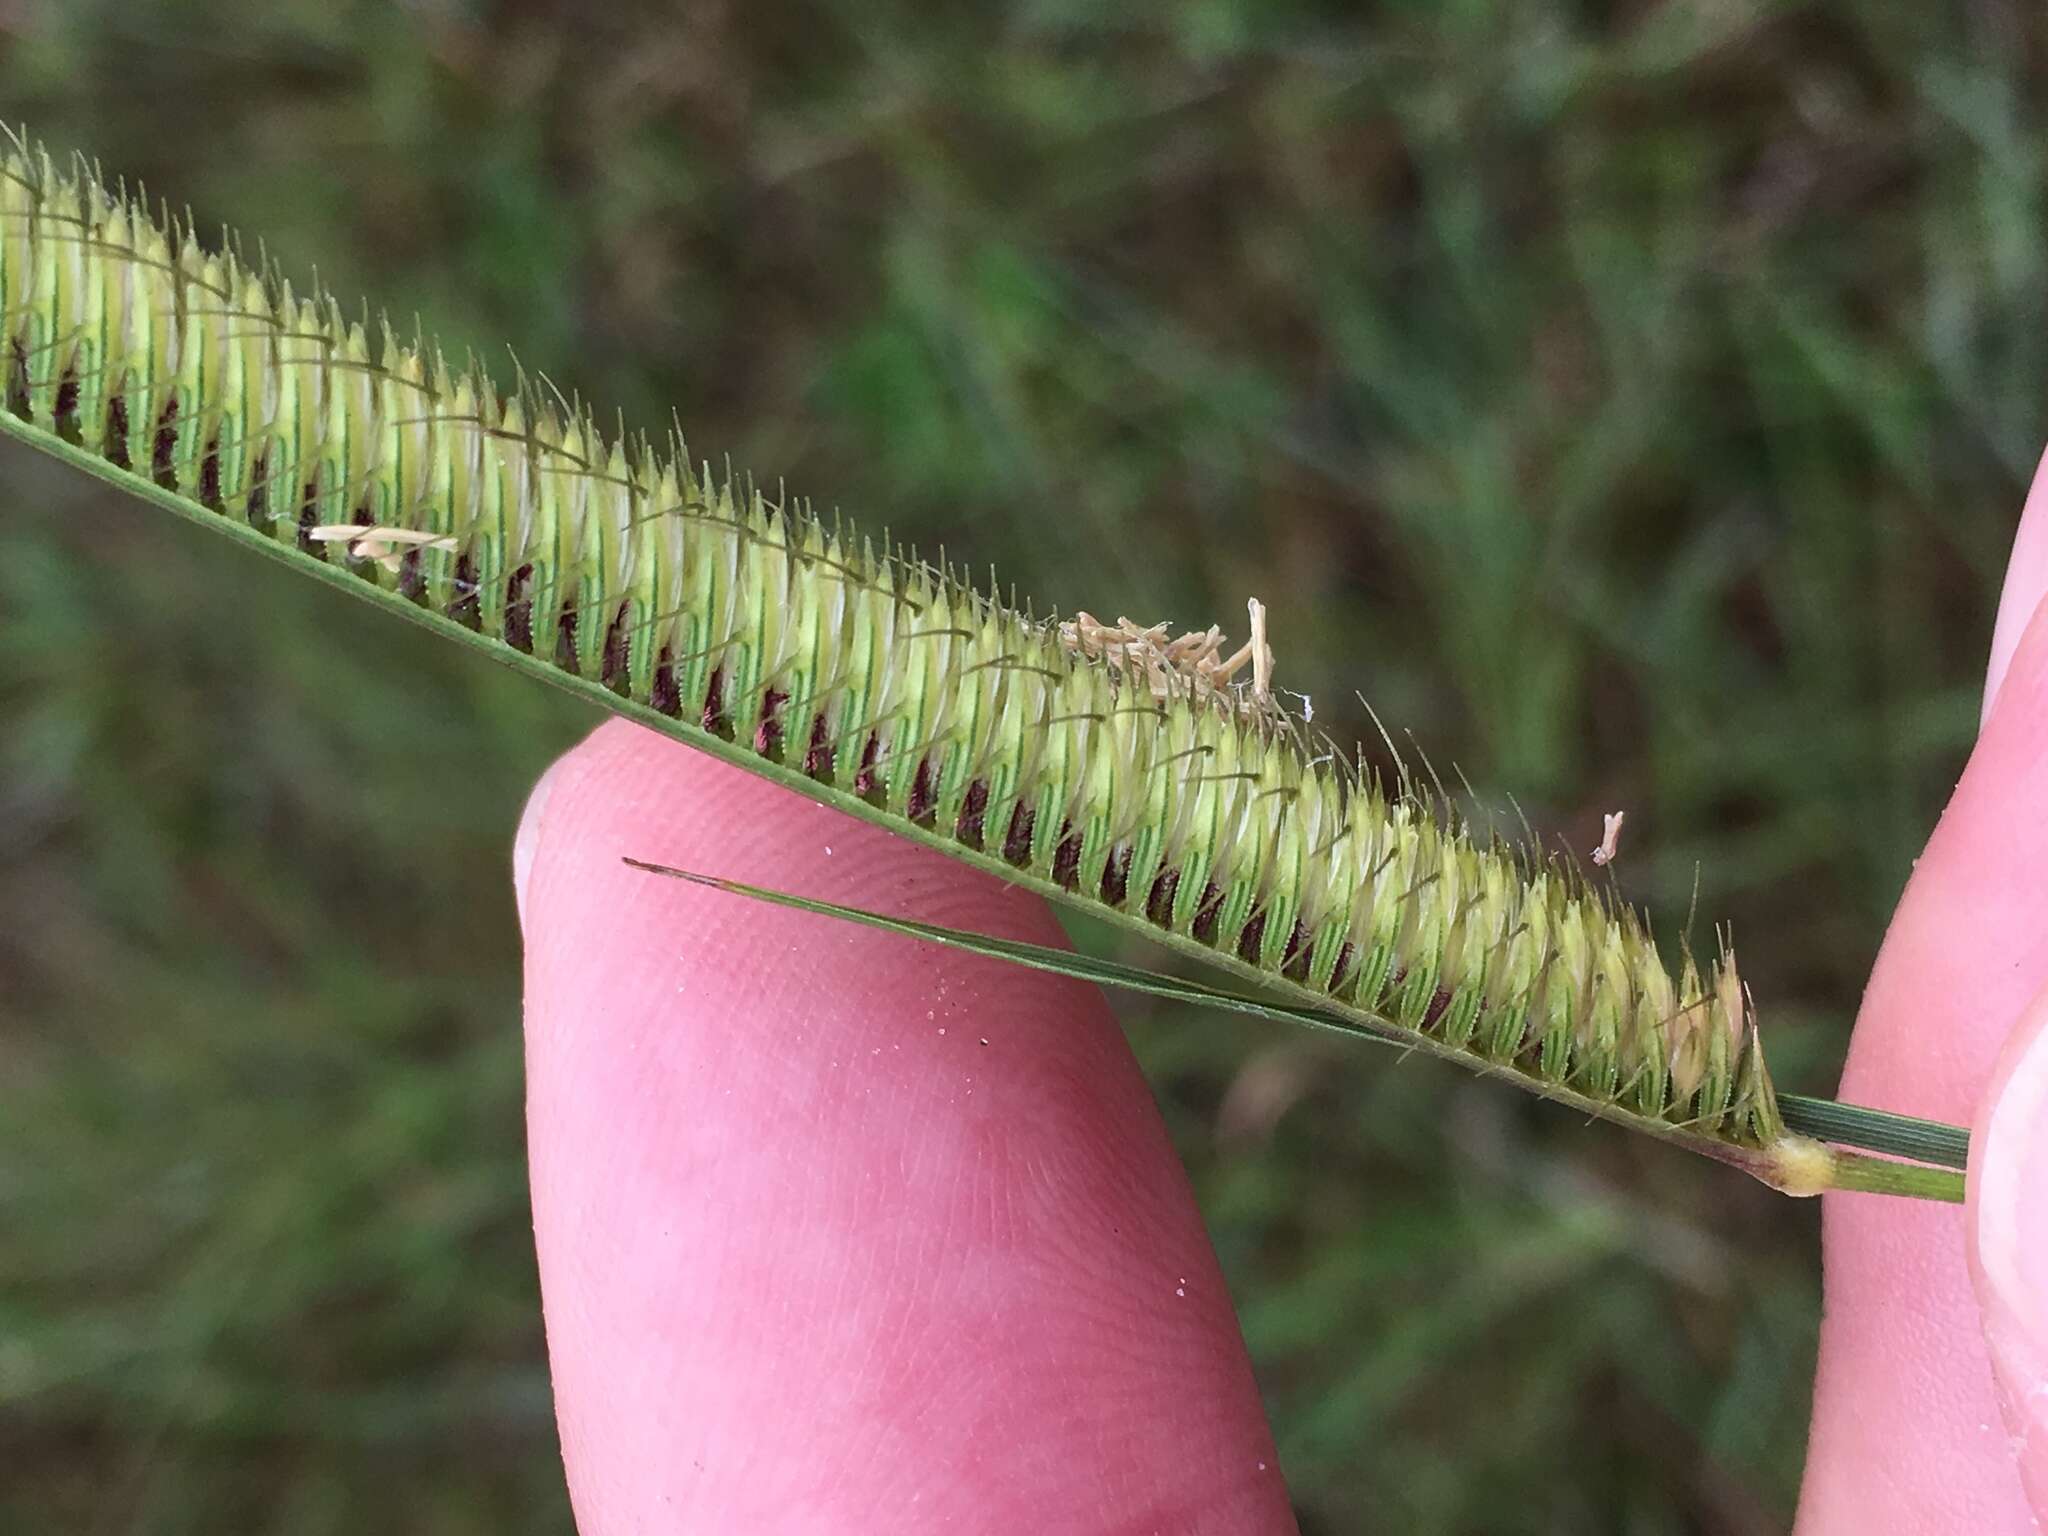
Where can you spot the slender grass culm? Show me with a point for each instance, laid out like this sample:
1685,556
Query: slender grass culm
1152,779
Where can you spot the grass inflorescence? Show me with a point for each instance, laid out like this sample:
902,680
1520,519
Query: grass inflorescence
1153,779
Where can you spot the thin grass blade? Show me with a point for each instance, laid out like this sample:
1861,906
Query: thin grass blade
1038,957
1921,1142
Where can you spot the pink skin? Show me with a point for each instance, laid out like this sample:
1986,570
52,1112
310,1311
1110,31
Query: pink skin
840,1232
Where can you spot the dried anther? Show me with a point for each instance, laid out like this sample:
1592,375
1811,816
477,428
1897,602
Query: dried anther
1610,838
386,546
1189,665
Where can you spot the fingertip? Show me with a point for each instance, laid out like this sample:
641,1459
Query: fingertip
838,1230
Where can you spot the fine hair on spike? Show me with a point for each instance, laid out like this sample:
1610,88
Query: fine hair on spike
1152,774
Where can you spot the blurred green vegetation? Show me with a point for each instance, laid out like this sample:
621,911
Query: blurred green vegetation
1632,399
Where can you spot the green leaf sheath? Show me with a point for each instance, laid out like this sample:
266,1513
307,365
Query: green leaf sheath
1876,1130
1146,778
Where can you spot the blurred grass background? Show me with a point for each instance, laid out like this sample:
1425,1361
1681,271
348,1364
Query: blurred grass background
1632,399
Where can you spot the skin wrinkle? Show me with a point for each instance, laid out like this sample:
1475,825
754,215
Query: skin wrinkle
873,1295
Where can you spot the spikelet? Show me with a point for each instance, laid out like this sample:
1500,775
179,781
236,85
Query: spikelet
1137,773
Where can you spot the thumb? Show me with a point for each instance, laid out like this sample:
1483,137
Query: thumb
2008,1213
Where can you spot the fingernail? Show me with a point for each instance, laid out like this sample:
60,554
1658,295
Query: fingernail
2026,582
2009,1241
527,842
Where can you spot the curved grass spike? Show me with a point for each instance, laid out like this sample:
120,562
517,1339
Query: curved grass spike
1119,770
